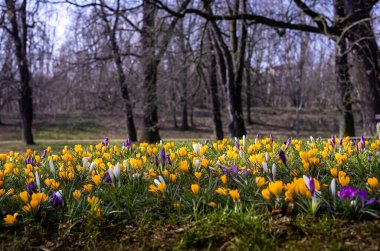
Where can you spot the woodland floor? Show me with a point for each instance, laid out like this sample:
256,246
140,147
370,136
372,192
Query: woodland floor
85,128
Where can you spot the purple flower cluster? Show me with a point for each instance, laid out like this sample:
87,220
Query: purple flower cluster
349,193
30,161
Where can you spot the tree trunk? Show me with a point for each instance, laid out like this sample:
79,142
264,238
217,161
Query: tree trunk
120,73
215,98
248,91
234,66
346,123
363,41
150,132
20,36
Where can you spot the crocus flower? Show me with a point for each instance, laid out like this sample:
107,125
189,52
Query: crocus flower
265,166
51,165
37,179
127,144
227,172
56,199
169,160
287,143
206,141
44,154
281,154
347,192
340,141
31,187
107,178
274,171
29,161
369,159
362,194
310,184
163,156
333,187
271,138
236,143
156,161
92,166
234,169
105,142
362,142
245,172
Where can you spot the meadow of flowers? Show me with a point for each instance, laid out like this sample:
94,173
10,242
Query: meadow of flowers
106,182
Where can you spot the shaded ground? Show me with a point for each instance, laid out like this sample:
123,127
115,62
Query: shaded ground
212,232
82,126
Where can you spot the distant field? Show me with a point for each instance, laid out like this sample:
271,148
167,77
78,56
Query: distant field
70,128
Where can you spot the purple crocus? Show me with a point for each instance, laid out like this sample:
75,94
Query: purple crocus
30,161
107,178
311,185
169,160
227,172
156,161
127,144
163,156
105,142
287,143
44,154
340,142
332,141
56,199
234,169
31,187
369,159
362,142
206,141
245,172
347,192
271,138
363,194
281,154
257,136
236,143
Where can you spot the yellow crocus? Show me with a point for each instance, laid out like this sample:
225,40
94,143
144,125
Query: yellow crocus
276,187
266,194
223,178
185,166
10,219
96,179
234,194
198,175
260,181
221,191
24,196
195,188
77,194
344,180
373,183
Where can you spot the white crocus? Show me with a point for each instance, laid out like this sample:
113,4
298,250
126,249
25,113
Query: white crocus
274,171
265,166
38,182
112,174
196,164
51,165
267,156
116,171
333,187
92,166
197,148
244,140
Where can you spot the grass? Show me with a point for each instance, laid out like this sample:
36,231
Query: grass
213,231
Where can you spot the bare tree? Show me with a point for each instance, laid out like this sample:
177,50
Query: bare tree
14,20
